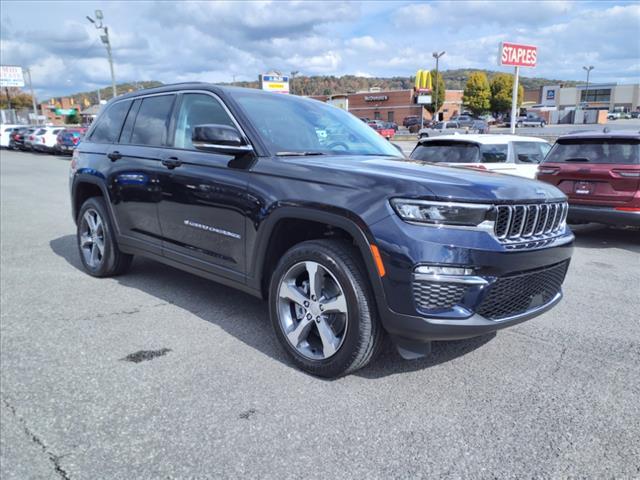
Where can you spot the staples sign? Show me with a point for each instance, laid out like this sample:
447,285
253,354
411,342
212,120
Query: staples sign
518,55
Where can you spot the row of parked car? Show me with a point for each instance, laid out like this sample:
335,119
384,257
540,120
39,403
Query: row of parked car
598,171
48,139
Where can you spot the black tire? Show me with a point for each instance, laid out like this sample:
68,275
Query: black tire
112,262
519,125
364,334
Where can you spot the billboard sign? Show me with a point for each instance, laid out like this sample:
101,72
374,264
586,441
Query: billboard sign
424,99
11,76
273,82
516,55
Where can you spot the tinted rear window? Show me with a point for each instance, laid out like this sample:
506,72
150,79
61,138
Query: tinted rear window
152,121
110,122
460,152
618,150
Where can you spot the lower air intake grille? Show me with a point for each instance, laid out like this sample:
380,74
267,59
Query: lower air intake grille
432,295
516,294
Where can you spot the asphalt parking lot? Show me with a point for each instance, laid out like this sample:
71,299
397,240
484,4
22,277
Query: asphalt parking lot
554,397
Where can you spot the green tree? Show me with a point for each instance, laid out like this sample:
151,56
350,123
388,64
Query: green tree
73,119
19,99
477,93
441,89
501,89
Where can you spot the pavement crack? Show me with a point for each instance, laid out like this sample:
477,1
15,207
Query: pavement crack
54,459
559,362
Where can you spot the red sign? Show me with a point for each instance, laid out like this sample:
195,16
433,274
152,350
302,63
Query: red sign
517,55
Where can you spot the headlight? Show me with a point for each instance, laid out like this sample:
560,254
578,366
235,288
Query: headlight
444,213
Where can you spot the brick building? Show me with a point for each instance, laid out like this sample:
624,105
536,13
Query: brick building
63,106
395,105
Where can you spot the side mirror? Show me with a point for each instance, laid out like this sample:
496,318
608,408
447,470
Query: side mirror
219,138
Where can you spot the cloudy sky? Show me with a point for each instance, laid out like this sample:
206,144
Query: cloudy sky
217,41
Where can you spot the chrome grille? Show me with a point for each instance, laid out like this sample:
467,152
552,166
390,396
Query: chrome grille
520,223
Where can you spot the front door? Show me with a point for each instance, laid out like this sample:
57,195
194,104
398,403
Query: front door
204,200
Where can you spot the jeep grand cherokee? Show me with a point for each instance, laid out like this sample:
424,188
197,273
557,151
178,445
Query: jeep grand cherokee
302,204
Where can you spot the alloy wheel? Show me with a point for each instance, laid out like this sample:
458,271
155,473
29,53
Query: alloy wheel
312,310
92,238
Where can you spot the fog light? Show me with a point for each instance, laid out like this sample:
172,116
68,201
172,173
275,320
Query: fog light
434,270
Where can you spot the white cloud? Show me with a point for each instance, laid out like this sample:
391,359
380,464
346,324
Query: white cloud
215,41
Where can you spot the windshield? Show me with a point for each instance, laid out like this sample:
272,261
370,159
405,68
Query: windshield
621,150
292,125
460,152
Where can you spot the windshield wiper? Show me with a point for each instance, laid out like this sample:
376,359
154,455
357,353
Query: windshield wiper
576,159
298,154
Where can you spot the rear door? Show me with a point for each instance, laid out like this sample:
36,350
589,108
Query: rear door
135,167
204,199
594,171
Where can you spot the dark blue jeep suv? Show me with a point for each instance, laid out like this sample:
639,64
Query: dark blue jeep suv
301,203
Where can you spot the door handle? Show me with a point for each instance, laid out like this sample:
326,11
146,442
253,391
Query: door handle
113,156
171,162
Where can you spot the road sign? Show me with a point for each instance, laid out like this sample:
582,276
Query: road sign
11,76
517,55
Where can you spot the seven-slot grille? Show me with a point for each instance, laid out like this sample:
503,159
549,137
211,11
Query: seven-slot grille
519,293
517,223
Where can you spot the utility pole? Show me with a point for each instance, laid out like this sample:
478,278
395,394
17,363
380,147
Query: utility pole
437,56
33,98
107,44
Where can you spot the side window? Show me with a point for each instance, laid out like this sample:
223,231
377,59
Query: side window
152,121
198,109
110,122
125,136
530,152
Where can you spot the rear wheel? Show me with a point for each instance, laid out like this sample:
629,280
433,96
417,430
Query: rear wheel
95,236
322,308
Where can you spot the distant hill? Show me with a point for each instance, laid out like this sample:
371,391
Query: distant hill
453,79
331,85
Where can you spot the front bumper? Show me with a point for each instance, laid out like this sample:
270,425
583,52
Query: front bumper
404,247
606,215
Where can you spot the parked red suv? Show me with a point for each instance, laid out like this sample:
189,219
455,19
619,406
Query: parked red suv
600,173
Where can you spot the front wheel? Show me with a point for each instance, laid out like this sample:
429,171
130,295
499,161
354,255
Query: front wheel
322,308
95,236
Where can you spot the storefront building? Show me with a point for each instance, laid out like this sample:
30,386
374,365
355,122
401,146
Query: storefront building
610,96
395,105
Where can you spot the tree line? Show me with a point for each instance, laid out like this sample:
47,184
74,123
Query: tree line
481,95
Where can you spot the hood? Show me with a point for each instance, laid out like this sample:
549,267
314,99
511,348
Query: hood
414,178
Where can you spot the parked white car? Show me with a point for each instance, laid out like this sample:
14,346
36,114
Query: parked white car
5,131
510,154
46,141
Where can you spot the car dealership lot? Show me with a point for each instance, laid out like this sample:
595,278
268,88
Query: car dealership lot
553,397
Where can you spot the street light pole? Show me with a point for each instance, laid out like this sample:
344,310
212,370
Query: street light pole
437,56
586,90
107,44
